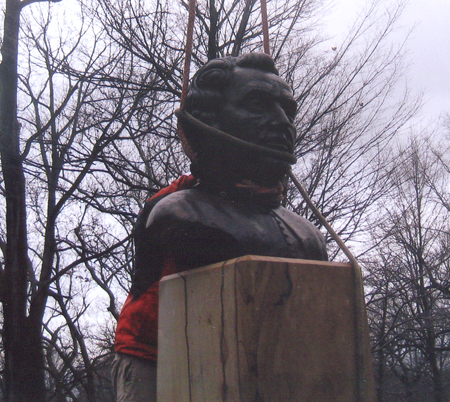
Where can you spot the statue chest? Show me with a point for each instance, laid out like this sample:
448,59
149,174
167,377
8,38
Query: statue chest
257,230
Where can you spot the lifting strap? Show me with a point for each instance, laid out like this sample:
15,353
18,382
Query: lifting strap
187,65
265,27
359,301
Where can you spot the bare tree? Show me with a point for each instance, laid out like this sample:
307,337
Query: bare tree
21,334
69,117
409,297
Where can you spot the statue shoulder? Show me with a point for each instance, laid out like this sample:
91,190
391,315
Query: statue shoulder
181,206
183,224
295,219
311,237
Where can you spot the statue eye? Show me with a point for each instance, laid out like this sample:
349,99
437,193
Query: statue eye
215,78
254,105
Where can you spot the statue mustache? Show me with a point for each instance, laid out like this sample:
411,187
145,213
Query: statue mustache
282,133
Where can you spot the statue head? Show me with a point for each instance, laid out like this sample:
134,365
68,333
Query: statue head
245,98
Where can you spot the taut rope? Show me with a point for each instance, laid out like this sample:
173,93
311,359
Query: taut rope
359,302
187,65
265,27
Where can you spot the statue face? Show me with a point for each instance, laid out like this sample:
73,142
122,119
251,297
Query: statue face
259,108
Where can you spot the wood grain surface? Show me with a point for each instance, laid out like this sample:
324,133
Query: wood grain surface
259,329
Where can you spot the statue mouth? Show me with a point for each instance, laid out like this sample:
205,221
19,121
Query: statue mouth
277,138
278,145
278,141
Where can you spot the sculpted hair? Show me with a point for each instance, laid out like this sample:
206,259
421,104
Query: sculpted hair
204,97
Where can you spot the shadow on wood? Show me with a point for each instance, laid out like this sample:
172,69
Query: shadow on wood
260,329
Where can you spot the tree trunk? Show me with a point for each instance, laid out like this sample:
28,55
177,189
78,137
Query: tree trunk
242,26
380,377
212,37
24,366
435,371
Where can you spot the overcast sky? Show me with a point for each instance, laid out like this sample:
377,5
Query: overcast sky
429,46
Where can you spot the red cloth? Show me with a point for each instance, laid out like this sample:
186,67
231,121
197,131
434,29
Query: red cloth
137,327
183,183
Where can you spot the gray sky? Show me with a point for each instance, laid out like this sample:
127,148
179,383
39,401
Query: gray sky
429,47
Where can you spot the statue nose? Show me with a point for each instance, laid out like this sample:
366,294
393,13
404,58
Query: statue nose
279,114
279,117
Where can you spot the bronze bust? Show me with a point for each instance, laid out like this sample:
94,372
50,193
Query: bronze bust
235,208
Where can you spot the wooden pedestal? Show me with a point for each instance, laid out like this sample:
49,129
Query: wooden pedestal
261,329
